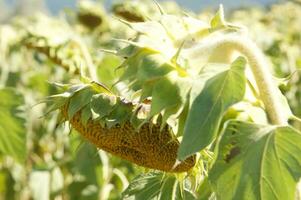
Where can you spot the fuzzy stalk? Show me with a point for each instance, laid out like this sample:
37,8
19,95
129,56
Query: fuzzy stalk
259,65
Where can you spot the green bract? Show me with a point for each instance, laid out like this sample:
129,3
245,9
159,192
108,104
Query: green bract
96,103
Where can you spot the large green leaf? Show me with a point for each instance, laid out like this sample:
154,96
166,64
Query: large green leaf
156,186
207,109
12,125
257,162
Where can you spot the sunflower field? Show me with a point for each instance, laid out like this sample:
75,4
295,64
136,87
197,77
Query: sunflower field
147,101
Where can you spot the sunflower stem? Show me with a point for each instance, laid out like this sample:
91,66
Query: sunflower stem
260,67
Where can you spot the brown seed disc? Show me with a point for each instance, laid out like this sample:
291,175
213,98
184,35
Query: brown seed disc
149,147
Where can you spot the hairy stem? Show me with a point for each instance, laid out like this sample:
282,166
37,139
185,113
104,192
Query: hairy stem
260,68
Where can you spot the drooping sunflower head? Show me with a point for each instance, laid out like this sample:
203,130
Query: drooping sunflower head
120,127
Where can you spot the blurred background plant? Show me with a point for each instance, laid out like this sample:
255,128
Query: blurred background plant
40,160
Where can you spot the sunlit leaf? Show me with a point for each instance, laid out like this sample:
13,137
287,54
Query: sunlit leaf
146,186
257,162
168,189
209,106
156,186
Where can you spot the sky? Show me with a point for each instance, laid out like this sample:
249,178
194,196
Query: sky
56,5
195,5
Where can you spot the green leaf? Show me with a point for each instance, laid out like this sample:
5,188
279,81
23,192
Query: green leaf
12,125
156,186
209,106
145,186
257,162
168,188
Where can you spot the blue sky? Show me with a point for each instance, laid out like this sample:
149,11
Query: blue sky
192,4
198,4
56,5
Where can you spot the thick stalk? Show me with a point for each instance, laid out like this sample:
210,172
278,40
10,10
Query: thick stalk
259,65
